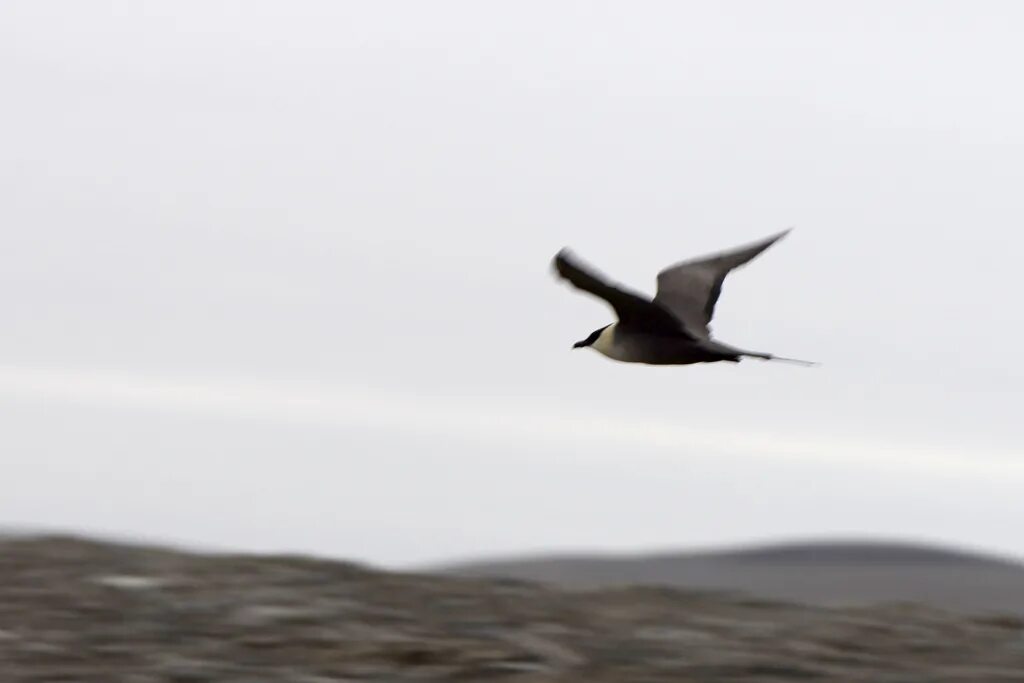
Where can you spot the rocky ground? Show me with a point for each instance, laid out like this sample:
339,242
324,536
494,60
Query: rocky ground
73,610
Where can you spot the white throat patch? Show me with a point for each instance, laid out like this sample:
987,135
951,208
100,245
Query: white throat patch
605,342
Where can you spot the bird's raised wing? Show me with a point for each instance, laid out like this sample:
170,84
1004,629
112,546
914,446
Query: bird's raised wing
690,289
632,309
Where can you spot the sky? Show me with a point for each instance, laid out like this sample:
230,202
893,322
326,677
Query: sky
276,276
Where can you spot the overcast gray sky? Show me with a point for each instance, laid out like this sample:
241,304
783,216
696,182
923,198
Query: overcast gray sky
276,275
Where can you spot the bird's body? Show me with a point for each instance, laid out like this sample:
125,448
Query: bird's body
673,327
654,349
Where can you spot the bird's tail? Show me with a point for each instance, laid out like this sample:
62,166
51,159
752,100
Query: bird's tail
734,354
781,359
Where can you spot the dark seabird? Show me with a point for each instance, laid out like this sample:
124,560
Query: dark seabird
671,329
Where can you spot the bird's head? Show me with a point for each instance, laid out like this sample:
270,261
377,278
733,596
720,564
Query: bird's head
589,341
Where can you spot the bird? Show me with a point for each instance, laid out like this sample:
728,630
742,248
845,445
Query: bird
673,328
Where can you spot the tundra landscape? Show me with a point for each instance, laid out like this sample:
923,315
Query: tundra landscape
83,610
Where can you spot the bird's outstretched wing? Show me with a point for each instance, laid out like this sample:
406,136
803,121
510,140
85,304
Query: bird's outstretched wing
690,289
632,309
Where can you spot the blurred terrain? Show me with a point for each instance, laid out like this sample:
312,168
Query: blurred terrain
73,609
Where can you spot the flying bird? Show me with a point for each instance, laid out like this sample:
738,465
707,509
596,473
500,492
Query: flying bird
674,327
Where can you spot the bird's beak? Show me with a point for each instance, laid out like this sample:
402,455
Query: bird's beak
579,345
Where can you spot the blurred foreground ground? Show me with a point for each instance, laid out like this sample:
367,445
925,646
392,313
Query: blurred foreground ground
74,610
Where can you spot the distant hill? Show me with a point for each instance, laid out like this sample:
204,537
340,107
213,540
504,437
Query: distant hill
824,573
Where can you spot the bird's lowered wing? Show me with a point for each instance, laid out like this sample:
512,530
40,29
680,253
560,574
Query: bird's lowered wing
690,289
632,309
